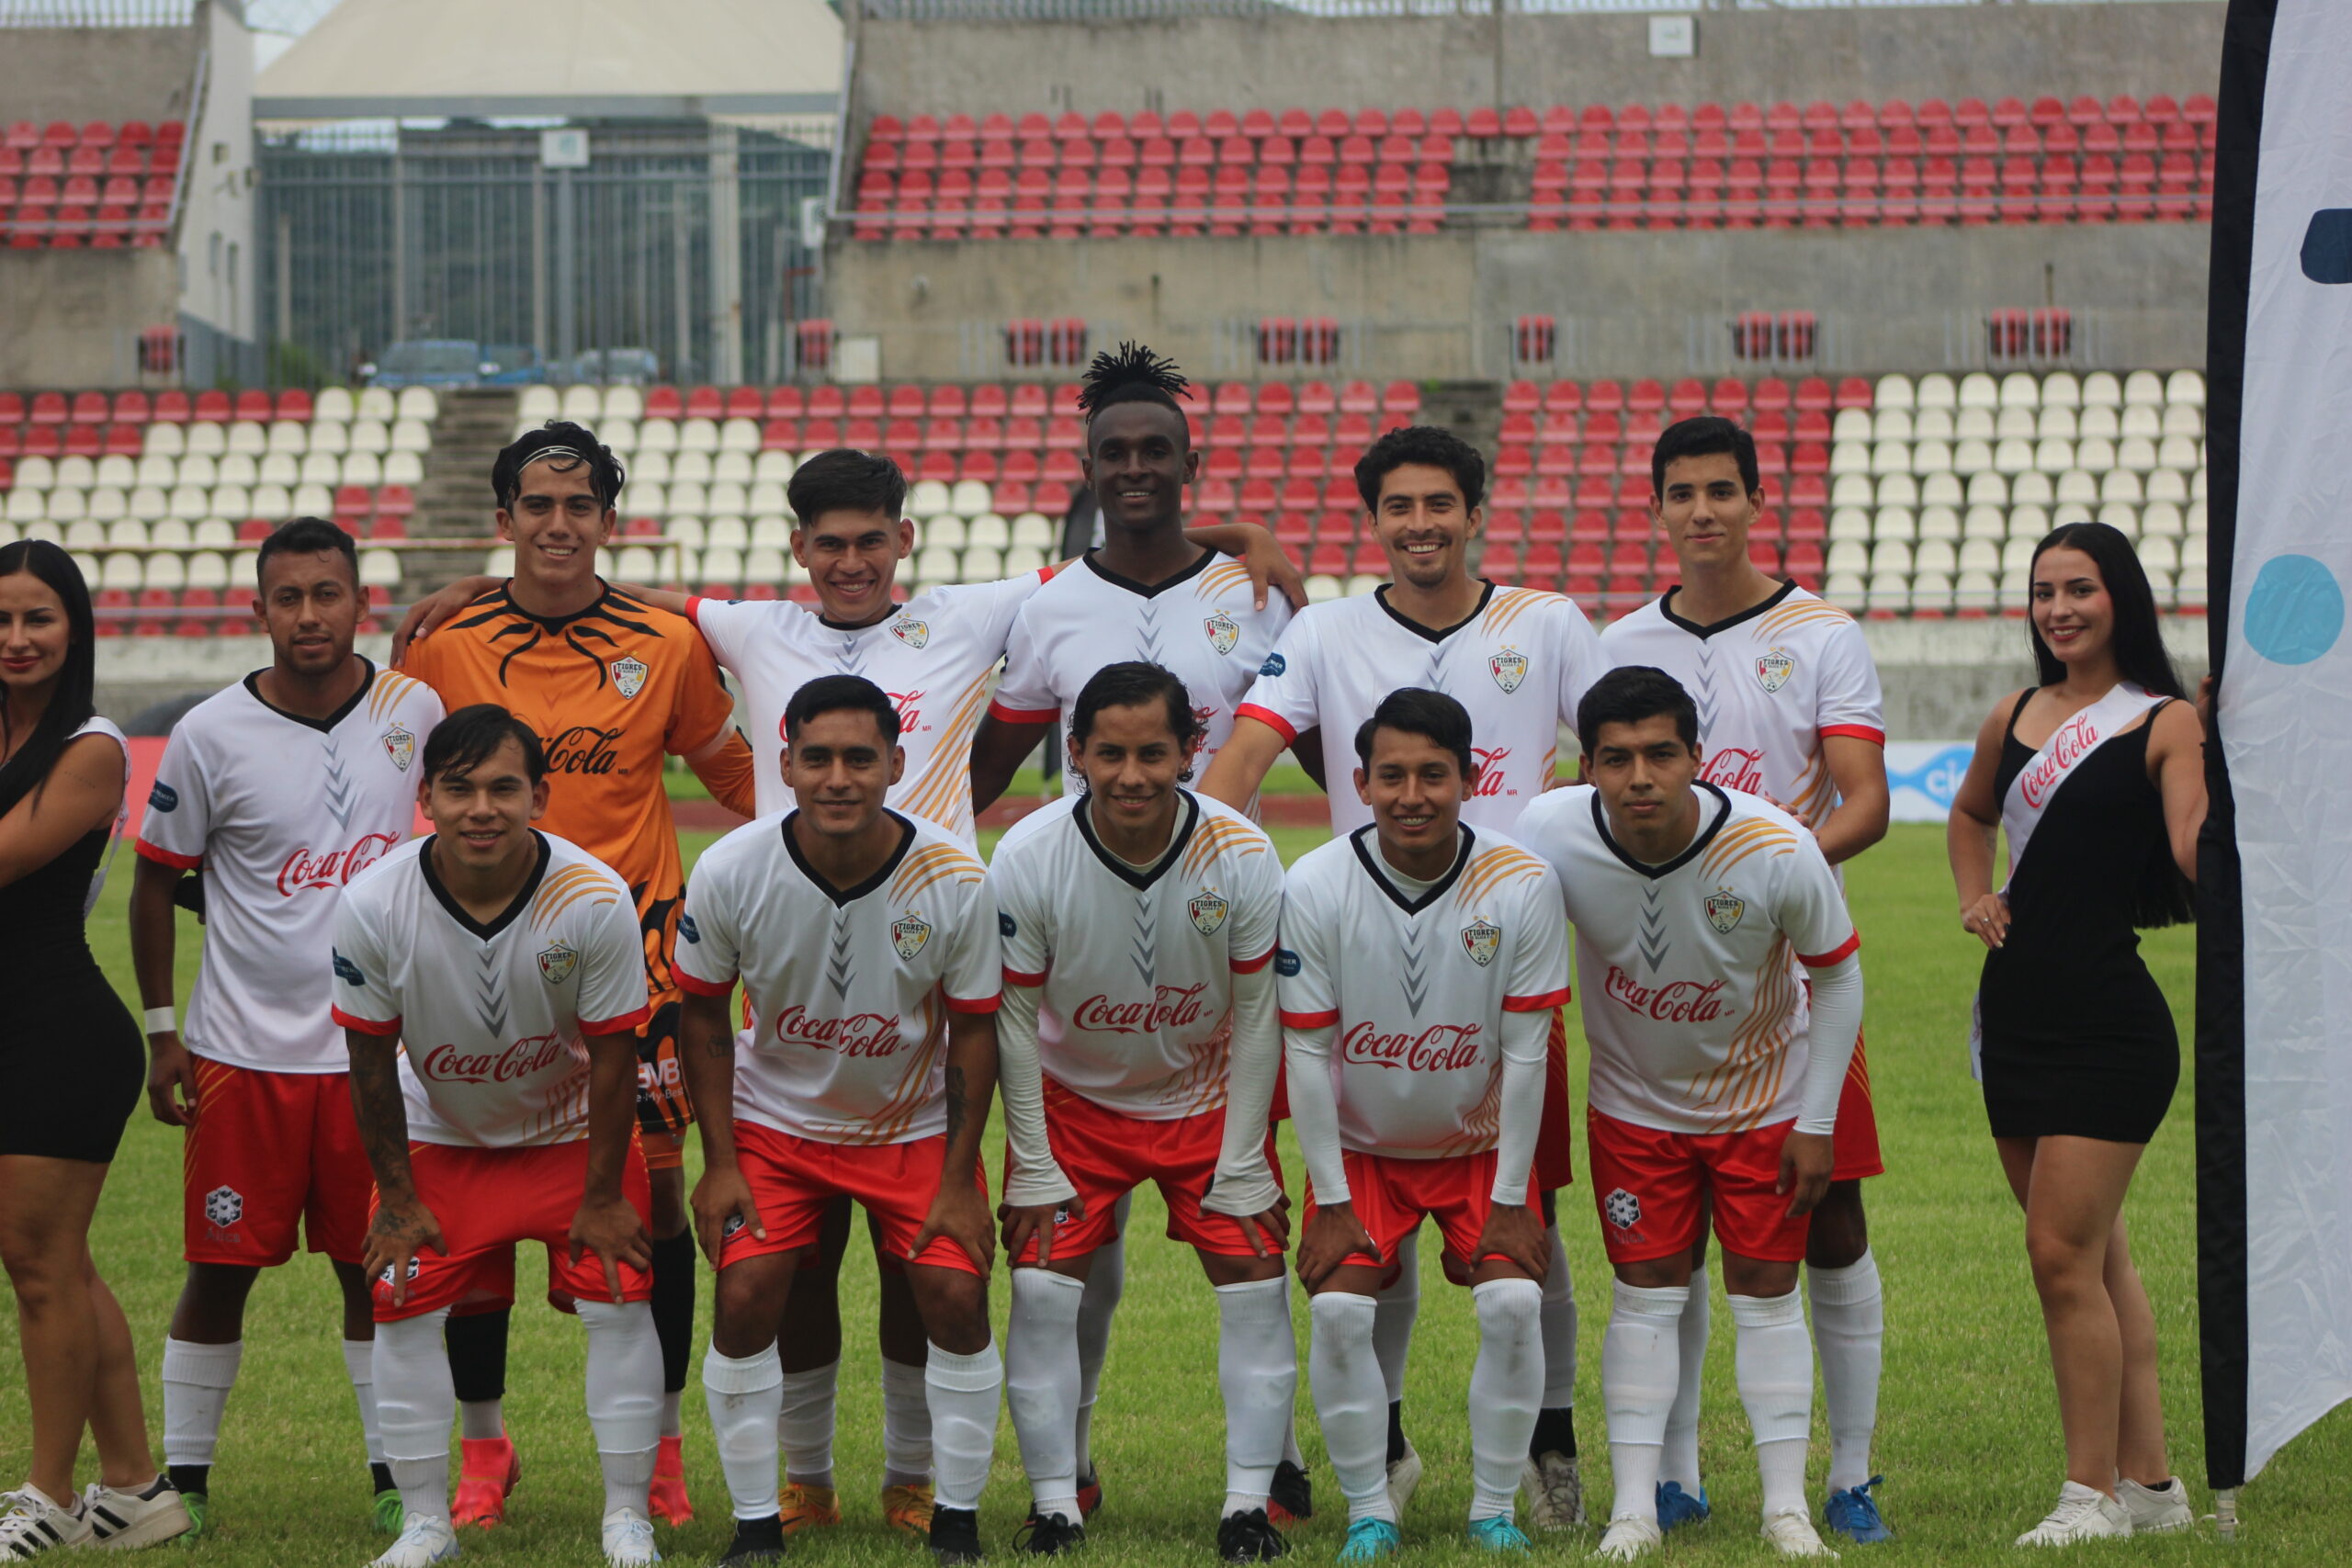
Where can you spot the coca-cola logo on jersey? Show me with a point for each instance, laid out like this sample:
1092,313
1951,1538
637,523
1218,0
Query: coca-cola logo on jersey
302,869
859,1034
1171,1006
909,706
2065,748
584,749
1676,1001
1488,784
529,1056
1736,767
1440,1048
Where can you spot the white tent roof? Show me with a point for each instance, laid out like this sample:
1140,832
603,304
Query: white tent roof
376,58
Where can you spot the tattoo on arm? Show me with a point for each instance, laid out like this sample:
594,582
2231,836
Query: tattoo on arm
383,1116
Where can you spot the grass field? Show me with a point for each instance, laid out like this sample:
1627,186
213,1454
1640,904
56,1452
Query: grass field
1968,1436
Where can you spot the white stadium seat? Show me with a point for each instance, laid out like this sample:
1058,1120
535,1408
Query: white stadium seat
1978,391
623,402
2185,388
1889,424
2020,391
333,406
1893,391
2101,390
419,404
540,403
249,438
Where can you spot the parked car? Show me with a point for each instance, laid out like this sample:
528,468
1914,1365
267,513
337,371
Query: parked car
617,367
511,364
430,362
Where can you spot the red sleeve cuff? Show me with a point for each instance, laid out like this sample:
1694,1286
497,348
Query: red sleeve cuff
623,1024
693,610
1859,731
1310,1020
973,1004
375,1026
1251,965
1045,572
1015,977
1267,718
1834,955
166,857
1543,1003
701,987
997,710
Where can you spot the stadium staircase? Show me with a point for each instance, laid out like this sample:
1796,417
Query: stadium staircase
454,503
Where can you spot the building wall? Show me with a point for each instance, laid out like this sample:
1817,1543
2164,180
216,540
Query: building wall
84,73
218,257
73,316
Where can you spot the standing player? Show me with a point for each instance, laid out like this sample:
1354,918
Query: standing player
1701,913
490,981
1423,960
1517,659
611,685
1145,917
281,789
1789,708
868,954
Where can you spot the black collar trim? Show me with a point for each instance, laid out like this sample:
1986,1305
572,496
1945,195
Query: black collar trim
1692,852
844,896
1141,881
1366,841
1150,590
1666,603
1380,596
608,599
512,911
831,625
324,726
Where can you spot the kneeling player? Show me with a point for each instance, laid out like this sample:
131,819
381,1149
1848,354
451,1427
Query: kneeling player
509,965
1699,913
1143,916
868,954
1421,960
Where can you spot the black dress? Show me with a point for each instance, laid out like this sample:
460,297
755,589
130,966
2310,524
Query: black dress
2077,1038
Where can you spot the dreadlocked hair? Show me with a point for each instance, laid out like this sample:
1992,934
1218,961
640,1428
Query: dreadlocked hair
1133,374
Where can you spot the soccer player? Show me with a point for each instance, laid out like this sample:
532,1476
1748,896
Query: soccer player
1790,709
868,953
1145,917
1517,659
271,796
611,685
1722,995
1422,960
490,981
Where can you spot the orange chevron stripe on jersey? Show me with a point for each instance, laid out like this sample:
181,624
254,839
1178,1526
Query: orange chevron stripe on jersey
391,688
1798,613
932,798
1739,841
937,864
1214,836
1512,605
1221,579
1748,1082
567,887
897,1114
1494,867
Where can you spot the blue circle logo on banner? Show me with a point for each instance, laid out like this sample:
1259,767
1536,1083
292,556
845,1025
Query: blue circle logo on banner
2295,611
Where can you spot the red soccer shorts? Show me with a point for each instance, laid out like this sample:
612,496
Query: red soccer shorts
1107,1155
1652,1190
794,1179
1854,1146
1556,1162
487,1200
1391,1195
272,1154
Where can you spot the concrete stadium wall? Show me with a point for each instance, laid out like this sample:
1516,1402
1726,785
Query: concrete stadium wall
84,73
73,316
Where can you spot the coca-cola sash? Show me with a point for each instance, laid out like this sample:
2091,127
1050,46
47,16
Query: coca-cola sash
2069,745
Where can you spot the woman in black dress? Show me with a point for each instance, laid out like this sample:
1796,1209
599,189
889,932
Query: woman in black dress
2096,775
71,1058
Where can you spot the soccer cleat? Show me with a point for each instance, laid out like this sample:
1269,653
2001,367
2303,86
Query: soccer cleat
488,1472
907,1509
956,1535
667,1500
1369,1539
386,1511
425,1539
1793,1535
1404,1479
1048,1536
1250,1538
1628,1536
628,1539
35,1522
1497,1533
198,1504
2082,1513
1677,1508
756,1541
125,1521
805,1507
1089,1494
1853,1513
2154,1511
1555,1486
1291,1499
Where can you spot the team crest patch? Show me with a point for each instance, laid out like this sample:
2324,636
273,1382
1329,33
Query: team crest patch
908,936
914,633
399,745
1482,938
1624,1210
1224,631
628,674
1724,910
1508,668
1773,669
1208,912
225,1206
557,963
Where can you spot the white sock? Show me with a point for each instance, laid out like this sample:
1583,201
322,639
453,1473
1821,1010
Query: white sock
479,1418
963,1391
1041,1386
197,1380
1257,1371
1850,1333
623,1397
1679,1461
1640,1354
415,1403
1343,1371
1559,1329
744,1393
1503,1384
1775,1361
906,1426
804,1424
1105,1283
360,1360
1394,1308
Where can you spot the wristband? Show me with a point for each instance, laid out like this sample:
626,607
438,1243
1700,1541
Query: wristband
163,1021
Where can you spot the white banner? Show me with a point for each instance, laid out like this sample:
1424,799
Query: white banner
1922,776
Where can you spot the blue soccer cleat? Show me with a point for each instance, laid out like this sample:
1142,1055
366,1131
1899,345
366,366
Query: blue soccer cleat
1498,1534
1677,1508
1369,1539
1853,1513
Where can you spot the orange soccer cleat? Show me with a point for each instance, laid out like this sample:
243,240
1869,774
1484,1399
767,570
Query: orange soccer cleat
668,1498
908,1509
489,1468
800,1508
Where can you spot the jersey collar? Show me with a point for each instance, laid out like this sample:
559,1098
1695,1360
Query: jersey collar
844,896
1141,881
324,726
884,619
1771,602
1150,590
1366,844
457,911
1697,846
1380,597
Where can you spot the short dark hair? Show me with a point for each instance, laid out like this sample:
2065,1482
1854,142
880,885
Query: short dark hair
1416,710
1134,683
472,736
835,694
1133,374
1421,443
307,536
1705,435
1630,694
845,480
606,476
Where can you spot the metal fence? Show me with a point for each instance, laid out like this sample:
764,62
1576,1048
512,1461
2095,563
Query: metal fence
1155,10
98,13
689,239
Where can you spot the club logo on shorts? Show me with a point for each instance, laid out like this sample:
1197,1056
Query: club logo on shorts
1724,910
734,1223
1508,668
558,962
1624,1210
1482,938
1773,669
1224,631
908,936
400,746
415,1267
1208,912
629,675
225,1206
911,632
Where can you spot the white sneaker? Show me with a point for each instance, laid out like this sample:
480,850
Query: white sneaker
1554,1488
424,1539
2154,1511
124,1521
1404,1479
2082,1513
35,1522
1628,1537
628,1539
1793,1535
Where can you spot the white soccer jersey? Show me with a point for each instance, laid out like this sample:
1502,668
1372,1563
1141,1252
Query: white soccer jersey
493,1018
934,656
1770,683
281,812
1518,664
1138,964
847,990
1200,624
1692,971
1417,988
